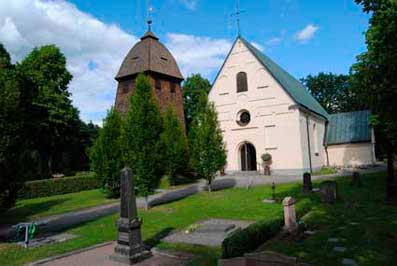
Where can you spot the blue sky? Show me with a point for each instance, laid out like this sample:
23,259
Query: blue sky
303,36
333,47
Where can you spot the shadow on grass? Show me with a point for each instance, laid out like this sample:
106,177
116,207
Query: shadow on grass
156,238
23,213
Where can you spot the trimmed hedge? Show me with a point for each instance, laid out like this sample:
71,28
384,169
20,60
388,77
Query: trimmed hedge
250,238
57,186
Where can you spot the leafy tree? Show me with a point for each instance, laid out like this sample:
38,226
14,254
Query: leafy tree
53,120
374,77
207,149
192,88
175,145
106,154
12,141
333,92
141,138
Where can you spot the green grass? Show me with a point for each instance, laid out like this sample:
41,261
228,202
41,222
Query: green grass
373,241
233,204
325,171
40,207
30,209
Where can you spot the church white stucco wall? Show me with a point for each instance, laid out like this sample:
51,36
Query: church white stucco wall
276,127
352,154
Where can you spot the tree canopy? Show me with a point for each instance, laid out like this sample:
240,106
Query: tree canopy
374,76
141,137
208,154
38,123
333,92
175,145
106,154
192,88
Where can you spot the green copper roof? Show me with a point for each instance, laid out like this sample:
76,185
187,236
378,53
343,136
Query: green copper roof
349,128
292,86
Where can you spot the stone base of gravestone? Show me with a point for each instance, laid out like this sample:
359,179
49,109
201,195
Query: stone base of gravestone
329,191
307,182
130,248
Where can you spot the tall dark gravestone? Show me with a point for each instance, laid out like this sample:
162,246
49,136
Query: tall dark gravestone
130,248
307,182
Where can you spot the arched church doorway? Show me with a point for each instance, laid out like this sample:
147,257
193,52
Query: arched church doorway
248,157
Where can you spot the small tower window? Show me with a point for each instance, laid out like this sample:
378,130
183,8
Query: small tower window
157,84
242,84
172,87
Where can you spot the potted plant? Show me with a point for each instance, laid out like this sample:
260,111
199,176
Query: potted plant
267,161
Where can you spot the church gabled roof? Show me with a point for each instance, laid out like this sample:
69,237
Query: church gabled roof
149,54
350,127
292,86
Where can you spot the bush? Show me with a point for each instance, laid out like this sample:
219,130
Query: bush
250,238
266,157
57,186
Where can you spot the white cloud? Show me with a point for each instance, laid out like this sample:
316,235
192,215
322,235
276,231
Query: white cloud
306,33
94,50
274,41
198,54
189,4
257,46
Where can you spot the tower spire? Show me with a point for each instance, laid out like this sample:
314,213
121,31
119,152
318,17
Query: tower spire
149,20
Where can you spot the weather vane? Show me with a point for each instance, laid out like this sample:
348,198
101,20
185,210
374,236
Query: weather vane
149,15
237,14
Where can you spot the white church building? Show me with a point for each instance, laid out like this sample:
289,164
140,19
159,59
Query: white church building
263,109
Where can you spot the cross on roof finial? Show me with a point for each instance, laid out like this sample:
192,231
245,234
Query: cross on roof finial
237,14
149,15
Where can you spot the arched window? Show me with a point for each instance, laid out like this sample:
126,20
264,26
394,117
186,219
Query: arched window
242,84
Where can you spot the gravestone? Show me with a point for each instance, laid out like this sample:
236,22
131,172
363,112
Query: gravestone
307,182
209,232
329,191
290,223
356,180
130,248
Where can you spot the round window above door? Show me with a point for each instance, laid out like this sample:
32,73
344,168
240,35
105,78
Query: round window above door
243,118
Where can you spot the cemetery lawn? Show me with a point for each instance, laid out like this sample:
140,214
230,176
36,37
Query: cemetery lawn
29,209
361,222
236,203
369,227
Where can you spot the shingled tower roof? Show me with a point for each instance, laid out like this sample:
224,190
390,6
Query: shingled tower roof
149,55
